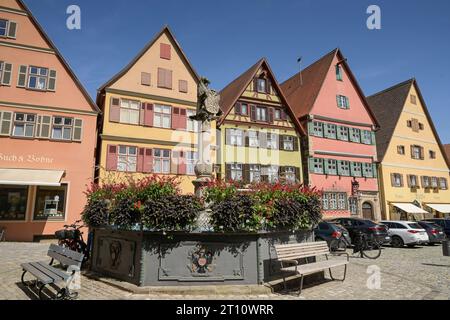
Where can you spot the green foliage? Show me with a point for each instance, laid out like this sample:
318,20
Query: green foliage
235,213
170,213
95,213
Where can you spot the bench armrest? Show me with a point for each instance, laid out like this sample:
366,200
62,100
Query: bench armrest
73,269
340,254
290,261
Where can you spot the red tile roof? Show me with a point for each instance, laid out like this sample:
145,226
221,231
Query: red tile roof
233,91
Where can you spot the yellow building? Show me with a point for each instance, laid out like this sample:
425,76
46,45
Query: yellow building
145,125
413,167
259,134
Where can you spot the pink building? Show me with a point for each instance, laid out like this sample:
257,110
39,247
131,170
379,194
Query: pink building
47,131
339,152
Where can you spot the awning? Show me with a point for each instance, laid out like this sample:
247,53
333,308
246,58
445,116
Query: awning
409,208
31,177
442,208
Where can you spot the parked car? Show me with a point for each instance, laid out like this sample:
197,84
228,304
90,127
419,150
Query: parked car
435,233
443,223
366,226
406,233
328,231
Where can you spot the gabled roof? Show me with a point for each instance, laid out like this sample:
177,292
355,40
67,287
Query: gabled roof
59,56
165,29
303,88
388,106
233,91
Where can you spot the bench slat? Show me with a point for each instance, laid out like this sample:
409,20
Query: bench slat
300,246
301,256
48,272
63,259
37,273
302,249
64,276
305,244
56,251
316,266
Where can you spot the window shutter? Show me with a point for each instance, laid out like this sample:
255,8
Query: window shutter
52,81
114,110
168,79
283,114
347,103
182,162
111,158
311,128
401,181
408,180
297,174
45,131
268,86
227,172
183,86
338,101
255,84
263,139
148,116
252,112
271,112
146,79
161,78
228,137
311,165
393,179
326,167
165,51
182,120
5,123
246,138
77,130
422,153
296,144
174,162
246,173
140,160
281,142
175,117
148,161
375,170
12,29
142,113
374,140
7,72
22,78
237,108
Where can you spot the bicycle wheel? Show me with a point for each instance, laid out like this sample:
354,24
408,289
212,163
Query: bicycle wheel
372,250
338,245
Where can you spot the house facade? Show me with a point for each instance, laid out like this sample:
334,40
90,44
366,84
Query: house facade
339,150
414,170
146,126
259,135
47,131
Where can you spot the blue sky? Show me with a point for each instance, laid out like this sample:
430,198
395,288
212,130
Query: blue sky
224,38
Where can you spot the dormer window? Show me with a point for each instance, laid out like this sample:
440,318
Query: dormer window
8,29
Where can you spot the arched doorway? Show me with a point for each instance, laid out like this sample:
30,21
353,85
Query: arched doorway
367,210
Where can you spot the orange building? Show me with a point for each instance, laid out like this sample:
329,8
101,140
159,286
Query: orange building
47,131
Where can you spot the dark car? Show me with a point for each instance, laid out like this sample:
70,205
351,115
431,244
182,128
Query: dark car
366,226
328,231
443,223
435,233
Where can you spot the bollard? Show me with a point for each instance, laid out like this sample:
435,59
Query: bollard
446,248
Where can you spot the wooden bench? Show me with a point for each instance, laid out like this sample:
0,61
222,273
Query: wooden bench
46,274
290,254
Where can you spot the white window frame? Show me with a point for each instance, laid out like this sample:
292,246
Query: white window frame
318,129
162,160
192,125
25,123
397,180
38,76
129,108
319,166
289,174
191,160
62,126
443,184
343,102
261,114
6,28
127,159
272,174
272,141
288,143
236,171
260,88
416,152
236,137
161,114
253,139
255,173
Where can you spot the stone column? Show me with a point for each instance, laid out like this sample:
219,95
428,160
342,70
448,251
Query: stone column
203,168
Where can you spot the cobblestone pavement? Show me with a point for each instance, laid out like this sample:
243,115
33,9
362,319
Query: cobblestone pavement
418,273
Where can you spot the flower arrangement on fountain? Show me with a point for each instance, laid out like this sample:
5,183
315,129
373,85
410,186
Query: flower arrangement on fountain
262,206
155,203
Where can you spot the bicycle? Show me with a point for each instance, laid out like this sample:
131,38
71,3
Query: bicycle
368,248
71,237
